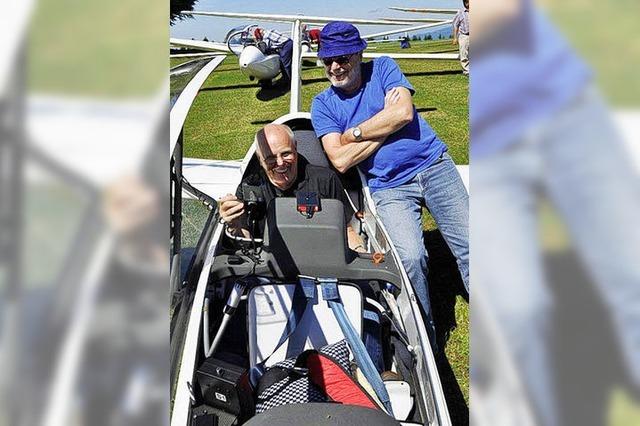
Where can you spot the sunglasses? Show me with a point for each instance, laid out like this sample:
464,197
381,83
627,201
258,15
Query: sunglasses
340,60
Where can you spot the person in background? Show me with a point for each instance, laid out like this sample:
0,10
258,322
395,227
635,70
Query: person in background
314,36
461,35
276,42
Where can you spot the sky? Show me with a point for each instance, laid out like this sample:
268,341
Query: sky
216,28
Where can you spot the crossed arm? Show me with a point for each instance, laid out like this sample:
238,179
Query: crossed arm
345,152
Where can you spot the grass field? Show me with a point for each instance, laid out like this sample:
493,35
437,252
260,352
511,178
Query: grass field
92,48
228,111
605,34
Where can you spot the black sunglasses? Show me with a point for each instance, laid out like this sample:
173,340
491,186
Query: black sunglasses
340,60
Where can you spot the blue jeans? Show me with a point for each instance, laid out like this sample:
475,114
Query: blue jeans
578,162
440,189
286,52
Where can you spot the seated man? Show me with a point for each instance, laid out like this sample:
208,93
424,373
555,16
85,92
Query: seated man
283,174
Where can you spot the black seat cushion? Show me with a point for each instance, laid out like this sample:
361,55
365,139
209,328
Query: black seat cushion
311,148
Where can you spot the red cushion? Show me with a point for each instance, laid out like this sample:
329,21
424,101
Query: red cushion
336,382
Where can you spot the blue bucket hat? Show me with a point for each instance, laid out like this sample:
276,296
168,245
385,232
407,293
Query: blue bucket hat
339,38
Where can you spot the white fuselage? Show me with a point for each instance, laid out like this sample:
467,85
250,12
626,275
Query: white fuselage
254,63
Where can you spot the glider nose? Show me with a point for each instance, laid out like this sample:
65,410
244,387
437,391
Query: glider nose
254,63
250,55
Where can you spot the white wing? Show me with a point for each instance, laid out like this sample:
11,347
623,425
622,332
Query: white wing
425,10
407,29
385,40
293,18
201,45
413,19
195,55
439,56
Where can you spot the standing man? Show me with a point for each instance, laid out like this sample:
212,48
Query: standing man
367,118
542,132
461,35
282,45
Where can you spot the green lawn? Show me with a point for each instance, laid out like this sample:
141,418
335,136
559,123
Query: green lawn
227,113
194,217
98,49
606,36
623,411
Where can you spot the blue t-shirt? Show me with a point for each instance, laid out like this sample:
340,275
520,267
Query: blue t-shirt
525,74
405,152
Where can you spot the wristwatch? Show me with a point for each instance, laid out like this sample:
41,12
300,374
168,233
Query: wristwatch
357,134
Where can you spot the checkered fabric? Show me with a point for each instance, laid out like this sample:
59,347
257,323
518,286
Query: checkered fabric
339,352
295,389
274,39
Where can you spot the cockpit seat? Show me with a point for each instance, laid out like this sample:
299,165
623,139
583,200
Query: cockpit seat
270,307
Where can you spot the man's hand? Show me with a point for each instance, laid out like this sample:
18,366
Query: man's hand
455,41
354,240
347,137
231,209
232,213
130,205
